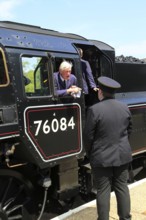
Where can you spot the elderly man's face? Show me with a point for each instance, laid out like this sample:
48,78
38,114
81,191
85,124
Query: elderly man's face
65,73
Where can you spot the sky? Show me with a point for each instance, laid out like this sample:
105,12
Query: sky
119,23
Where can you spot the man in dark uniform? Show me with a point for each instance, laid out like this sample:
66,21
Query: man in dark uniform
106,136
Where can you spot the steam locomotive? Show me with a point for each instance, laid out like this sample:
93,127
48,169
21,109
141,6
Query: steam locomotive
42,153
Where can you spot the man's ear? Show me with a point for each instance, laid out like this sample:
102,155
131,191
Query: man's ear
100,94
100,91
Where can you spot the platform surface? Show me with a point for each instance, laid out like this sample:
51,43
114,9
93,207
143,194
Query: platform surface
88,211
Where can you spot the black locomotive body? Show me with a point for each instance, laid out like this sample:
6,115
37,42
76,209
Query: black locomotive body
41,146
130,72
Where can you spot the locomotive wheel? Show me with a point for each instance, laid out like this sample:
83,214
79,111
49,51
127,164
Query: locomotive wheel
15,196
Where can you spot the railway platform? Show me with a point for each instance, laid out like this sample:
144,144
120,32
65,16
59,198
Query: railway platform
88,210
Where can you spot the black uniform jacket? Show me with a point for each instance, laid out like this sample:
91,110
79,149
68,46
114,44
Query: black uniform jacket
106,133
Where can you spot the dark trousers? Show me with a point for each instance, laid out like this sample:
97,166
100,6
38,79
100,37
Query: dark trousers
106,179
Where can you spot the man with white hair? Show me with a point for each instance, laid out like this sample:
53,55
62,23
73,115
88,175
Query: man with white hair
65,82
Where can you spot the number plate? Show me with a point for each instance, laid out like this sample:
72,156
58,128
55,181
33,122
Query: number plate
54,131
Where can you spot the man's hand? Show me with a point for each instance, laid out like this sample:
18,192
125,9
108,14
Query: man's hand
95,89
73,89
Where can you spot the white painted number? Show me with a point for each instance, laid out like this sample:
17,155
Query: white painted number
63,124
71,123
38,127
54,126
46,127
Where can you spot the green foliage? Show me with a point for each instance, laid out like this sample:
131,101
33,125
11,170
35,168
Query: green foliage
30,86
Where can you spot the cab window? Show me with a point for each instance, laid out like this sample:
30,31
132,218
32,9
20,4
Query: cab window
36,76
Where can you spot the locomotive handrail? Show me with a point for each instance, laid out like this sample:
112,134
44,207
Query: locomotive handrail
6,69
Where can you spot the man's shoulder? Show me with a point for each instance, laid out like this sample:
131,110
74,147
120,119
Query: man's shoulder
100,105
56,73
72,76
95,106
84,61
120,105
119,102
